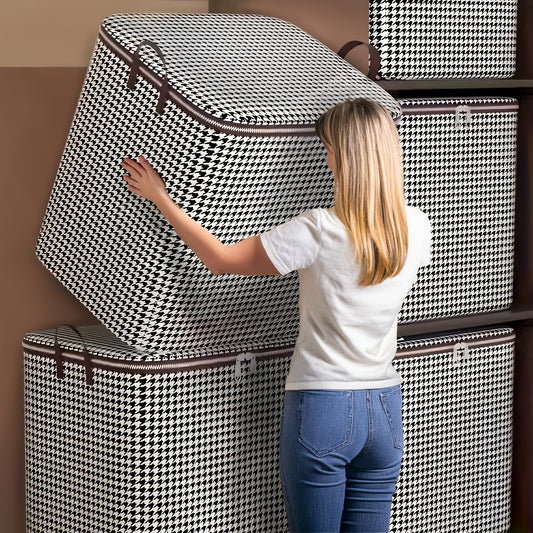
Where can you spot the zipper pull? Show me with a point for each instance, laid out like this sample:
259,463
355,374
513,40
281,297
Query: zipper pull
461,352
245,365
463,117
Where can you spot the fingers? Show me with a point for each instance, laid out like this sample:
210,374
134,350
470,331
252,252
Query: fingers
145,163
133,185
142,179
131,166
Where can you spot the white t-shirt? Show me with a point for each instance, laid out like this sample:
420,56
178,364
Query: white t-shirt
347,336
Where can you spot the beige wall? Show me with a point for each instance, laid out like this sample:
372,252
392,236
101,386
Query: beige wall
61,33
45,47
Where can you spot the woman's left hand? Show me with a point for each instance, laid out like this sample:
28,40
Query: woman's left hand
144,180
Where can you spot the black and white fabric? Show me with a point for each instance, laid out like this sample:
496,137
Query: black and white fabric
430,39
458,431
237,148
154,448
172,452
460,166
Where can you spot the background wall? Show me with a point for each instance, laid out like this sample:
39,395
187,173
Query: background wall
45,47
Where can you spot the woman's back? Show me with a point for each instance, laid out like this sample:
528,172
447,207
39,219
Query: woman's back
347,333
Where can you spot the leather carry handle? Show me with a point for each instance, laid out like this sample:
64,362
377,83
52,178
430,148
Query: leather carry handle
374,59
134,73
60,371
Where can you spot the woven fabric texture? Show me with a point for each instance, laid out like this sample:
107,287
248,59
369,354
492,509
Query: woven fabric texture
431,39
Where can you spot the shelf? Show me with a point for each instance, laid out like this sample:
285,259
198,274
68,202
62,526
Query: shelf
464,322
455,84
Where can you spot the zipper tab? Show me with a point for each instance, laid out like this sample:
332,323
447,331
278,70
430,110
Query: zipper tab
463,117
461,352
245,365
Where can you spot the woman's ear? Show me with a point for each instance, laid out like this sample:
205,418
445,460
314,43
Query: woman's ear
331,161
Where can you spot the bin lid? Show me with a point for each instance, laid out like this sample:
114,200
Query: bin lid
242,69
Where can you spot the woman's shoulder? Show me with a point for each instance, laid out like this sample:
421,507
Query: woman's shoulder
319,216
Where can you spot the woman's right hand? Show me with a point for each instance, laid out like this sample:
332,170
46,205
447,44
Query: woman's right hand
143,180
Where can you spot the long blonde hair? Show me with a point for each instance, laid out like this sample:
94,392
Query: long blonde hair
369,195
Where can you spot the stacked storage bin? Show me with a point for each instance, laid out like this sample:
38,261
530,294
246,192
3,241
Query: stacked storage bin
460,165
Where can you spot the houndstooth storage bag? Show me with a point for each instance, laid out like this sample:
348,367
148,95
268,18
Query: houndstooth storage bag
115,442
428,39
458,432
224,107
460,168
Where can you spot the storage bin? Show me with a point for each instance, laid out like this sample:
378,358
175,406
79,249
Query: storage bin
184,445
431,39
237,97
458,430
166,446
460,169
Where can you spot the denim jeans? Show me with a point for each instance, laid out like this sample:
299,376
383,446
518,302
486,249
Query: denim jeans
340,455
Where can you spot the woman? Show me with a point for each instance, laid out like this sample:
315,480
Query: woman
341,437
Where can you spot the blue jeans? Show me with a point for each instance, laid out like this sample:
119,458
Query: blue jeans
340,455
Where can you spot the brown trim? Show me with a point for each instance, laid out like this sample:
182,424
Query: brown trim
219,125
152,367
227,359
435,108
404,353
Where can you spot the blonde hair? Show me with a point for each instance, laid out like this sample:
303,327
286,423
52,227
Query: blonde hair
369,195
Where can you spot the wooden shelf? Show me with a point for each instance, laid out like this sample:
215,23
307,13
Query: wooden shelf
465,322
455,84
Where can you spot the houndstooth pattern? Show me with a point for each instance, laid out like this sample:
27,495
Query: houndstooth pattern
458,427
232,66
169,453
464,179
198,450
117,254
452,39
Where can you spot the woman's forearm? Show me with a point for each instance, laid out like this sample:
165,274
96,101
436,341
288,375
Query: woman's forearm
200,240
246,257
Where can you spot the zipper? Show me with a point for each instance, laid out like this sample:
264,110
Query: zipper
451,109
237,359
219,125
150,367
404,353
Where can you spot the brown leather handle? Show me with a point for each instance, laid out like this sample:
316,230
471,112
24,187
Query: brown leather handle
60,371
374,59
135,68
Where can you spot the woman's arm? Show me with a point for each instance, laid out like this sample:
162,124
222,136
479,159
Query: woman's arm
247,257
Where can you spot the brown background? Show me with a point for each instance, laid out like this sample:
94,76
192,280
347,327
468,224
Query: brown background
45,47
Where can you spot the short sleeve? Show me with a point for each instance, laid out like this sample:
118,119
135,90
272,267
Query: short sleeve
294,245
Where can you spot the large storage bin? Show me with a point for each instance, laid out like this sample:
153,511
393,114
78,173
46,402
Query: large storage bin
460,169
174,446
444,39
236,143
458,429
171,446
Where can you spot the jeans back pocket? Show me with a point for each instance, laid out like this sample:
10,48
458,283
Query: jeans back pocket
325,420
392,405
